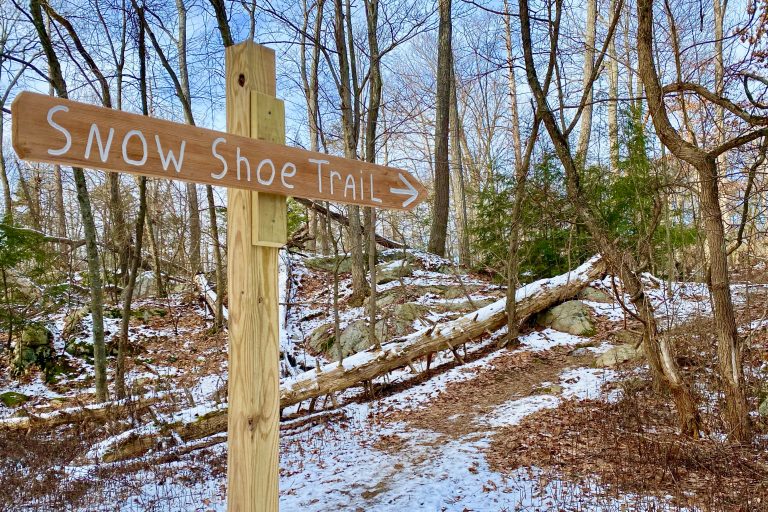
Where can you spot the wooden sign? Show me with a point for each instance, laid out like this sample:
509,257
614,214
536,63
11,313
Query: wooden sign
53,130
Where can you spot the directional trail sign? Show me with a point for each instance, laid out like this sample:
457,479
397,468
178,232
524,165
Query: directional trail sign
53,130
47,129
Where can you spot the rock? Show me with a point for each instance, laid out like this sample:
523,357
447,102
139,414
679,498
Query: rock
321,338
628,337
354,338
392,271
619,354
573,317
382,299
80,348
13,399
328,263
404,316
595,295
397,254
464,306
547,388
73,322
34,347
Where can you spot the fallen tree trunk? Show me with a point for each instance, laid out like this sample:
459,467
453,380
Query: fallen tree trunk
205,289
372,363
343,220
91,412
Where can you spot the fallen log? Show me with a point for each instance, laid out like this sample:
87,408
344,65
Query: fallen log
369,364
91,412
344,221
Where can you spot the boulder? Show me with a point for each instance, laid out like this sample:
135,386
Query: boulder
329,263
321,338
354,338
405,314
573,317
628,337
595,295
392,271
73,322
619,354
34,347
464,306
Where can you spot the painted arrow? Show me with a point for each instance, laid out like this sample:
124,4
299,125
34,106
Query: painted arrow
411,191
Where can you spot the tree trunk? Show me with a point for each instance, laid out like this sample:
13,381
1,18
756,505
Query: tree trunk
663,365
442,179
585,130
218,314
89,226
728,344
7,202
455,125
613,103
346,78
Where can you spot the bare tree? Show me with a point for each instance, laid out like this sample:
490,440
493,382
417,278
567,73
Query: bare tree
706,164
442,175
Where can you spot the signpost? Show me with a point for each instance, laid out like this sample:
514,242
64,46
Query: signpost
260,171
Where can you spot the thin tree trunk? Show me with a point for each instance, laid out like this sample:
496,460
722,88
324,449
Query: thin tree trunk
218,320
89,226
613,104
7,202
465,255
346,76
585,130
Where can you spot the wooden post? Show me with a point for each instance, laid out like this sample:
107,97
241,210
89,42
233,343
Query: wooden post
256,228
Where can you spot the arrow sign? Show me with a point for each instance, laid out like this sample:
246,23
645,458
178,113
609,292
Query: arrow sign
57,131
411,191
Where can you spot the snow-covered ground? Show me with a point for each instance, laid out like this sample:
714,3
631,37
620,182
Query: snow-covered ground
367,455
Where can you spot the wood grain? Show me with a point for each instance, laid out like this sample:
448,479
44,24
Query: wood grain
254,396
270,222
141,145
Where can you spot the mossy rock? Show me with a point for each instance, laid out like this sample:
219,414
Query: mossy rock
80,349
547,389
321,338
396,254
595,295
572,317
329,263
58,367
763,409
353,338
13,399
36,335
35,347
405,314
